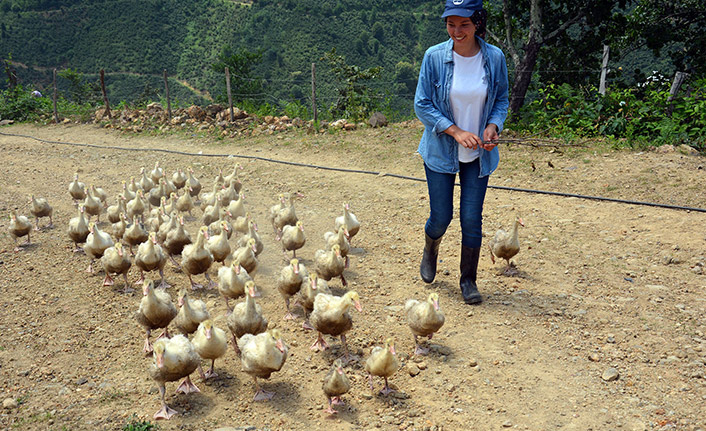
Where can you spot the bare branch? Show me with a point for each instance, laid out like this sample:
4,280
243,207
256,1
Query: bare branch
508,35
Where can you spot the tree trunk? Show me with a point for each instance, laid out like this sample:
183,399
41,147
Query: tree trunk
523,76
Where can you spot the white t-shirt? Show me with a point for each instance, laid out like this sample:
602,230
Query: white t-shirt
469,89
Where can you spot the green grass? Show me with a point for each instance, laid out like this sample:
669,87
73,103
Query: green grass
134,424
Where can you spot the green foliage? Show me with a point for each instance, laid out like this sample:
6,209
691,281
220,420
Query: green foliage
244,85
134,424
356,101
79,91
18,103
639,116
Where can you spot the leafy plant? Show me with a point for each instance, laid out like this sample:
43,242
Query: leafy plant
134,424
355,100
19,104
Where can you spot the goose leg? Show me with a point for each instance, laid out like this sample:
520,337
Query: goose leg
142,277
419,350
347,357
320,344
235,346
127,288
211,284
148,346
186,386
163,284
211,372
289,315
108,280
261,394
194,285
330,409
165,412
386,390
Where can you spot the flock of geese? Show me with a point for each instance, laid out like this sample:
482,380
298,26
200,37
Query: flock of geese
149,216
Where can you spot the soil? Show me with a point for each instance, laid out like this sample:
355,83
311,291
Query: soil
600,290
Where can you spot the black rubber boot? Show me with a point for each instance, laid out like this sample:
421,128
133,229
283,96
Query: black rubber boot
427,269
469,271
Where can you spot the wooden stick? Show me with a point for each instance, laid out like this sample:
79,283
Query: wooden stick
166,91
105,94
604,69
230,96
56,112
313,91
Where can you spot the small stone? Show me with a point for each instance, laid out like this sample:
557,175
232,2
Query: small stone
412,369
610,375
9,403
594,357
81,381
507,424
422,365
472,362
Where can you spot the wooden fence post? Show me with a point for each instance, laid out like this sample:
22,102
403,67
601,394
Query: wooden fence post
313,91
604,69
166,92
230,95
56,112
105,94
679,79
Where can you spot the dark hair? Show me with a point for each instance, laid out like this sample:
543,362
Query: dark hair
479,19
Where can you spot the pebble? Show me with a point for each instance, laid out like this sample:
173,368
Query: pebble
412,369
9,403
473,362
594,357
610,375
507,424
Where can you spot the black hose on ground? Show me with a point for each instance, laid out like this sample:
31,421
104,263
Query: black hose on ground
359,171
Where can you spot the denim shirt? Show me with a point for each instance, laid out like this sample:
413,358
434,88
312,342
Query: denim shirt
432,106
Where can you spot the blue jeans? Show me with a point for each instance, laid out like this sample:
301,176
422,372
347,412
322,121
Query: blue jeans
441,200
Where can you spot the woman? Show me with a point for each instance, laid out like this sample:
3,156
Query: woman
462,101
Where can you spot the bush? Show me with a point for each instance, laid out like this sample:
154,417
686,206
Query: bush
637,116
19,104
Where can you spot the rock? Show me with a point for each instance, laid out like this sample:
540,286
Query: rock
6,122
9,403
507,424
338,124
687,150
594,357
666,149
472,362
610,375
196,112
378,119
81,381
412,369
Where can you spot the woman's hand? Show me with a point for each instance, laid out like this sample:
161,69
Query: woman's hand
490,134
464,138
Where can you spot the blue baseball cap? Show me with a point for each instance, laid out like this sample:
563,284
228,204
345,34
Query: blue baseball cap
464,8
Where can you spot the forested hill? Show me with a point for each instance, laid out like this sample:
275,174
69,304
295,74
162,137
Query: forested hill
144,37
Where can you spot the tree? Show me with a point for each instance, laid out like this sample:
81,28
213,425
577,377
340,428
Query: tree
355,100
526,33
658,24
244,85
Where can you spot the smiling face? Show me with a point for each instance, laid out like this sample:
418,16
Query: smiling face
462,31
